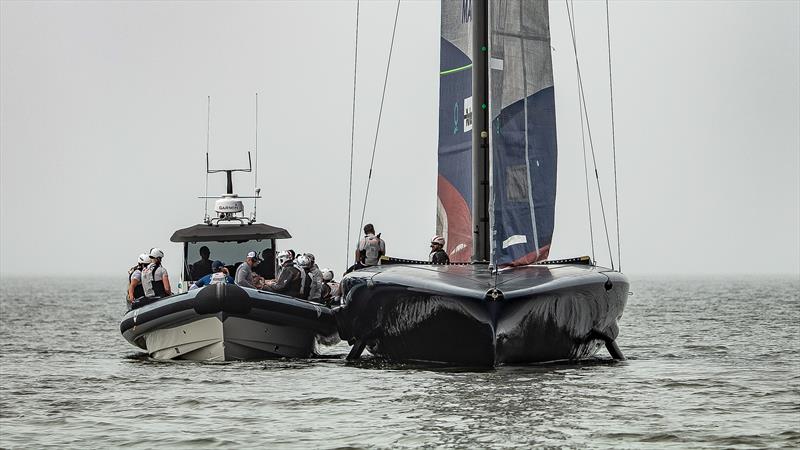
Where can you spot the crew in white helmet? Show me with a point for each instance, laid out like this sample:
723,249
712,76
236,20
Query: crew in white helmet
438,255
303,263
155,279
135,289
315,294
330,288
290,278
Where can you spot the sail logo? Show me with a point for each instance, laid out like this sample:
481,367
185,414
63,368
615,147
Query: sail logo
468,114
466,11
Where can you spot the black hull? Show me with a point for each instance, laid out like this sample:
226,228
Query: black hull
447,313
227,322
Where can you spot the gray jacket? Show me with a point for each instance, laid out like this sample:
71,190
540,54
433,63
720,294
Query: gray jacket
244,276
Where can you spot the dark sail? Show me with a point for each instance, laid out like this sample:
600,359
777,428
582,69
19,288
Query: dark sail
523,137
453,215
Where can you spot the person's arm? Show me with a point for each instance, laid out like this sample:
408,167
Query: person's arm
167,288
131,287
383,247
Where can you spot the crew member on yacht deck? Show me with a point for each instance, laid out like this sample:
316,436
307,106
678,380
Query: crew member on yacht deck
244,273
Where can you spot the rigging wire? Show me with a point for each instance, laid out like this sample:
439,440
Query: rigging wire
208,141
380,113
589,131
585,163
352,139
613,136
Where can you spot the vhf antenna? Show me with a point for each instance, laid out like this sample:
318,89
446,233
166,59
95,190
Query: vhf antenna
255,177
208,141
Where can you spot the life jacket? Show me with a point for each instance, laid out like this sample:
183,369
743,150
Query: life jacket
372,250
153,287
138,291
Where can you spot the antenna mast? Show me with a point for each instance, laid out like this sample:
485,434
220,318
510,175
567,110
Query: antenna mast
255,176
208,143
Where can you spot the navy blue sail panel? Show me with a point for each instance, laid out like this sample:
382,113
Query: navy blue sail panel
454,183
523,138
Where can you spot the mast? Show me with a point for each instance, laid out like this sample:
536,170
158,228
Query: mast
480,130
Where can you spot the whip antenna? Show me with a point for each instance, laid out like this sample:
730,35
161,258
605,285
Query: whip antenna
255,176
208,143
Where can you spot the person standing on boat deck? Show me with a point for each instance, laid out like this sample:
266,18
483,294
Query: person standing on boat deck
203,267
244,273
155,279
290,279
315,293
369,251
219,276
438,255
135,289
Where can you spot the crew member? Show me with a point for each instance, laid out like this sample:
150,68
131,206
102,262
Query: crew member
290,279
155,279
202,267
218,276
244,273
438,255
369,251
330,288
135,289
315,293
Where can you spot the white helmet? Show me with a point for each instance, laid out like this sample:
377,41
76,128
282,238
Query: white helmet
283,257
144,258
156,253
327,275
302,261
437,240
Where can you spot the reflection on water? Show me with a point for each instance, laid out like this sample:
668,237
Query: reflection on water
712,363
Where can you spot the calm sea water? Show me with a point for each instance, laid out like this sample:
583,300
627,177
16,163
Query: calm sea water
713,363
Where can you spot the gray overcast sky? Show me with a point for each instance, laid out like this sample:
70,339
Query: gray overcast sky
103,128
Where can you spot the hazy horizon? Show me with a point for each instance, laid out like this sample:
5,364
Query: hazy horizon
103,129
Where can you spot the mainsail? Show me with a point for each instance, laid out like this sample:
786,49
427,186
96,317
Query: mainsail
454,217
523,136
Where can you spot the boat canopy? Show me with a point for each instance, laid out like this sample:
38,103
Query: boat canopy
232,232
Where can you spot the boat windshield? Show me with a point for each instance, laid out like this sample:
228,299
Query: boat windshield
231,253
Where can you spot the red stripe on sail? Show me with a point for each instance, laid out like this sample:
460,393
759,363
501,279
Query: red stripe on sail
459,222
530,258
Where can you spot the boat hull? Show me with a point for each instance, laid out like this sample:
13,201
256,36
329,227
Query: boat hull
226,322
452,314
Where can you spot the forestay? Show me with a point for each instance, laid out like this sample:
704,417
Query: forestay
523,137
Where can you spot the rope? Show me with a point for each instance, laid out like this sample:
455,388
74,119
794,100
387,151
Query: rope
380,113
613,136
589,131
352,139
585,163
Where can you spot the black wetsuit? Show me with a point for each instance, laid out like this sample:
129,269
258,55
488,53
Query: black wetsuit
440,257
